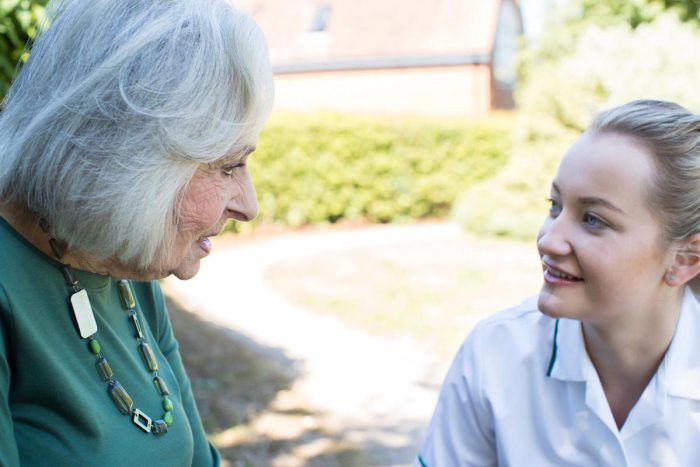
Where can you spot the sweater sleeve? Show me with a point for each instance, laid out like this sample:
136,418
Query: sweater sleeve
9,454
205,455
461,429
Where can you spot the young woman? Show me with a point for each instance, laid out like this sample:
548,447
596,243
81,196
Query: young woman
603,367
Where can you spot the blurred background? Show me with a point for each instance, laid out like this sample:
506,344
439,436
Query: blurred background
402,179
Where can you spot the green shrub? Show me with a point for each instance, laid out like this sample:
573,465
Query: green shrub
513,202
18,24
323,168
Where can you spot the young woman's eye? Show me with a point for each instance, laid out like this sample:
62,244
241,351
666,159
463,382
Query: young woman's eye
554,207
593,222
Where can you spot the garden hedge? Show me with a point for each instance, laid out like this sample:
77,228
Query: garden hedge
323,168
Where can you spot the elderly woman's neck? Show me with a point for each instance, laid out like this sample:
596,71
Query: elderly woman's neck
28,225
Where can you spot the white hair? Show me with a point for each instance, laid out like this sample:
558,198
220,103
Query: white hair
118,105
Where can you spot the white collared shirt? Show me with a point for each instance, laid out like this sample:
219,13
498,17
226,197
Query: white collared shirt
523,392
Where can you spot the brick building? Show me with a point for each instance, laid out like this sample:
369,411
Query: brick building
445,57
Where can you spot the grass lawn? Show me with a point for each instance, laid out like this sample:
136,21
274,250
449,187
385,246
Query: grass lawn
430,292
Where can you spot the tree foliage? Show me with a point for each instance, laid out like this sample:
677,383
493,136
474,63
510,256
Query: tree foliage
636,12
19,20
594,55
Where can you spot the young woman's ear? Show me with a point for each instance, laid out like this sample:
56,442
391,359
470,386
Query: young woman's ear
686,263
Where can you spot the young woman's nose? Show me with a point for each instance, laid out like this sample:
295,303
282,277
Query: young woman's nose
553,238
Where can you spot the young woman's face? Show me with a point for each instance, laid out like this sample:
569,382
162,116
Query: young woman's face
601,246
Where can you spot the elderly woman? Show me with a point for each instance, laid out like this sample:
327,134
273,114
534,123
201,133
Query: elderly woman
603,367
123,149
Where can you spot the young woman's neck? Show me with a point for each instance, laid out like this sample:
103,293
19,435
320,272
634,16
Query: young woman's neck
627,356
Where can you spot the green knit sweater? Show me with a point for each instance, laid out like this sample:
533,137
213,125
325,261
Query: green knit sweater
54,408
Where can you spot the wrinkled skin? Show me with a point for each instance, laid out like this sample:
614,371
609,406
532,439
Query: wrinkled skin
216,193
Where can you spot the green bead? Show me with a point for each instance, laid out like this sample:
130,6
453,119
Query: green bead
95,346
125,294
168,418
167,404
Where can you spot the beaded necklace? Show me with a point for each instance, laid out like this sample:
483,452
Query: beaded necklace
84,320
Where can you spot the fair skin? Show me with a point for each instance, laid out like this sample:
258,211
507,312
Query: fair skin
606,263
217,192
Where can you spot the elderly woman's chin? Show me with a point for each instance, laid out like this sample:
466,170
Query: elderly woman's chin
181,262
187,270
189,266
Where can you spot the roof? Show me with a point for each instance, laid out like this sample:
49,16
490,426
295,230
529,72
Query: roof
378,32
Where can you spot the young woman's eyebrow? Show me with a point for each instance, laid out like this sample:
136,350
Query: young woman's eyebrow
598,201
593,201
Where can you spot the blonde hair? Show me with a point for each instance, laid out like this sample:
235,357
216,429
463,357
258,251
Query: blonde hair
672,135
118,105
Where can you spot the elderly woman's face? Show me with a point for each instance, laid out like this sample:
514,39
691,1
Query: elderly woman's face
216,193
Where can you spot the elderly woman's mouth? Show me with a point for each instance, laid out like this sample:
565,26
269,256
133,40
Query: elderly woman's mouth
205,244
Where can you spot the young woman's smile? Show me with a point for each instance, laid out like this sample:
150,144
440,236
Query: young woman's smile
556,276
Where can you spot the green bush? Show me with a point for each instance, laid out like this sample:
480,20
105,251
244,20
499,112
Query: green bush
323,168
18,24
513,202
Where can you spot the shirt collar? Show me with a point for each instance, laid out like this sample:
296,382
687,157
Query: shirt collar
569,360
683,365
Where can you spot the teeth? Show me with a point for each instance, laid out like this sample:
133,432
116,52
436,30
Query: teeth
561,275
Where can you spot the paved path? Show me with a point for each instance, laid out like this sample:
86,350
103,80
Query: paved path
378,392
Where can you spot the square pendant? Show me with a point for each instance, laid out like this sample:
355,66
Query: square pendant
82,312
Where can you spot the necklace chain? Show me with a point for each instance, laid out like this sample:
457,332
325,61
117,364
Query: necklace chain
84,320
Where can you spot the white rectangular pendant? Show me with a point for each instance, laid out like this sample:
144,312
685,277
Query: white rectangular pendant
82,312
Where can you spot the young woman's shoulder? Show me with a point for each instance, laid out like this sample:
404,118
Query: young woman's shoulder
512,346
517,328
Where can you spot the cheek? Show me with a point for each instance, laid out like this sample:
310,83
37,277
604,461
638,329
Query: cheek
623,270
201,209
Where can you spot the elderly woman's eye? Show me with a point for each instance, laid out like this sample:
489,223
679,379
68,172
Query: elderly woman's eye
229,169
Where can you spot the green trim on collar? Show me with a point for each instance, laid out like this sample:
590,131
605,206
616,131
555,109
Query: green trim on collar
553,359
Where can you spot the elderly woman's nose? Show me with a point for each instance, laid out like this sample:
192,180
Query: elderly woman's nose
244,205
